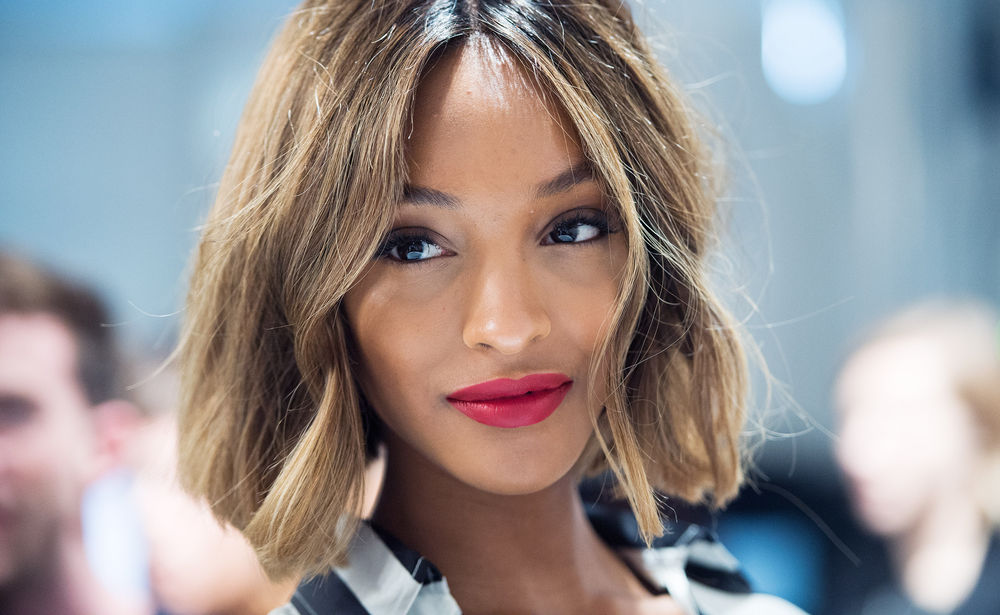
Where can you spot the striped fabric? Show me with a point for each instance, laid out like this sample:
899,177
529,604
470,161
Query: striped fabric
384,577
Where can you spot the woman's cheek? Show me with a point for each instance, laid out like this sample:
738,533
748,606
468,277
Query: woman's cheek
586,292
397,323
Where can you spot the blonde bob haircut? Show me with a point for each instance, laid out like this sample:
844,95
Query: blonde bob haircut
273,429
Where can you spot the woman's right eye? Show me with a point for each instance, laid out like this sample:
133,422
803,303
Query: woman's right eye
411,249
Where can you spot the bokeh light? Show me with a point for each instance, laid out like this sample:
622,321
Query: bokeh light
802,50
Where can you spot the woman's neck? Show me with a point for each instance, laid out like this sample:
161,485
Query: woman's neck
939,560
529,553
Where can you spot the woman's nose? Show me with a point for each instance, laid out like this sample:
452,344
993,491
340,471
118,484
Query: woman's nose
505,311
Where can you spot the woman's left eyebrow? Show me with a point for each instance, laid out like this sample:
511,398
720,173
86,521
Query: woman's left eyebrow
576,174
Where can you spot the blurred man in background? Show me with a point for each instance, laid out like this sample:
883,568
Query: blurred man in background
62,424
197,566
919,410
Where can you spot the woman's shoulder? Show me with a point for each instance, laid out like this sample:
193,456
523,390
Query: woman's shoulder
382,577
688,562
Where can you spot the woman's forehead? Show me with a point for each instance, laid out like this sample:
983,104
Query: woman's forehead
478,107
484,70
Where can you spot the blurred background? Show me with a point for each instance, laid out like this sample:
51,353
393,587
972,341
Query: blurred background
861,152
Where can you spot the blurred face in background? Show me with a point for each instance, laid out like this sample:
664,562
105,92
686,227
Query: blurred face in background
47,443
906,437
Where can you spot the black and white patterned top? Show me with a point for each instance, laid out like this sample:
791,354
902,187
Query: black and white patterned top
384,577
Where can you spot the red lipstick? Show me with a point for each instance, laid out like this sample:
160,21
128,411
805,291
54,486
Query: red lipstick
512,403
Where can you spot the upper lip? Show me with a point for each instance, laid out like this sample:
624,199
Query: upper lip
506,387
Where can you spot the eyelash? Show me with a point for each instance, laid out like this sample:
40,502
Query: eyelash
399,239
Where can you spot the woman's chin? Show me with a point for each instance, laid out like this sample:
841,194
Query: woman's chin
518,479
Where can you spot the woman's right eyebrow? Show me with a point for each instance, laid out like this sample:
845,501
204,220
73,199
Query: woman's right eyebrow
418,195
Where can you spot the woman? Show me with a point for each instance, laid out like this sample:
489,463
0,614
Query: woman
919,411
474,233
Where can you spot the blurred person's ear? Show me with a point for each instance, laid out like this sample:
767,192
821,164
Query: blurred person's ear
116,423
989,485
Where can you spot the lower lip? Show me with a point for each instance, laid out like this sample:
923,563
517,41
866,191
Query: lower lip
510,412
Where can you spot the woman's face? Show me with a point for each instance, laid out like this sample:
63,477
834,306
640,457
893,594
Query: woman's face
504,263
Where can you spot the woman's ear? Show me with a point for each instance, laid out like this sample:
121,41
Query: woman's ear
116,425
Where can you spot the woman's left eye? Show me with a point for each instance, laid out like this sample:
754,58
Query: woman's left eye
578,229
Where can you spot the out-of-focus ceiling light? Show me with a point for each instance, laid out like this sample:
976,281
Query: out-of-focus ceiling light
802,50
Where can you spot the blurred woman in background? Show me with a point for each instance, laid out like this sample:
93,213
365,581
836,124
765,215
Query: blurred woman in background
919,408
